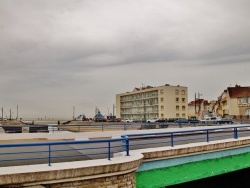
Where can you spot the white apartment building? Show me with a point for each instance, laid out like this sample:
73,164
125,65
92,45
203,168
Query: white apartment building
153,102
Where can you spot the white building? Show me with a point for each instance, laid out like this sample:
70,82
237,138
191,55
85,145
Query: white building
153,102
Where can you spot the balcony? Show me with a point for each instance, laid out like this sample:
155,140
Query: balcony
139,98
139,105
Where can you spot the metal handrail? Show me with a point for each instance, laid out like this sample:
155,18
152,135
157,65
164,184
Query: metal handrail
107,147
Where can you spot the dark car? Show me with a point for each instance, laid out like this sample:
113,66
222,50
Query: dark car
225,121
192,120
161,121
181,121
172,119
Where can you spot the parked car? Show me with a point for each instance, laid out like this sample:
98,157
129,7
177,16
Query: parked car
206,117
225,121
192,120
161,121
172,119
153,120
211,120
127,120
181,121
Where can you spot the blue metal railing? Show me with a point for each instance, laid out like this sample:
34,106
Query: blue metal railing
49,152
172,138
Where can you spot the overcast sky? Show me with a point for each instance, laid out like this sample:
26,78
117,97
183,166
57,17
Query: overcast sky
60,54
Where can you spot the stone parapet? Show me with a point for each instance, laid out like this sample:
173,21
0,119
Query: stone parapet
119,172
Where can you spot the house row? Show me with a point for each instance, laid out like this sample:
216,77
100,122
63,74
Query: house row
170,101
234,102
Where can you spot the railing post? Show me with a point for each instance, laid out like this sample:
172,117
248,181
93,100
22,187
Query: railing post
49,156
235,133
207,136
109,151
172,140
126,144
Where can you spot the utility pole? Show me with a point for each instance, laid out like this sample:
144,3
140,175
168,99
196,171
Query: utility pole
113,111
2,113
195,104
73,112
10,114
144,105
199,103
17,112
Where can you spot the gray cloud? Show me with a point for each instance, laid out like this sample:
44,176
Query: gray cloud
63,53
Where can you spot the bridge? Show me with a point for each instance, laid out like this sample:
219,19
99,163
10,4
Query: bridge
148,167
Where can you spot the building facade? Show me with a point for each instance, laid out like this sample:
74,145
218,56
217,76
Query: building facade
233,102
201,107
153,102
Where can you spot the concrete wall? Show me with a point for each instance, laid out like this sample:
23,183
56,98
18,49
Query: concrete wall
119,172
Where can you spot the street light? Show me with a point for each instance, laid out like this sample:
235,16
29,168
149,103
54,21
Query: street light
113,117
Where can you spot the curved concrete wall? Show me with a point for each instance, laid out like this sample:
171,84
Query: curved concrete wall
116,172
121,170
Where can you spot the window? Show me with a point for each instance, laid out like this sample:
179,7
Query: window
162,107
177,108
177,99
183,92
177,115
183,108
244,100
162,115
162,99
177,92
183,99
183,115
248,111
161,91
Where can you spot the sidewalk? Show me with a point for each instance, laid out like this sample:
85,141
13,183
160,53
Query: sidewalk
64,135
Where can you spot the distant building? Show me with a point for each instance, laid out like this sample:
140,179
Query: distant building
234,102
201,107
153,102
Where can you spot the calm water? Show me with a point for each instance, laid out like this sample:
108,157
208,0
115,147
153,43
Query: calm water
237,179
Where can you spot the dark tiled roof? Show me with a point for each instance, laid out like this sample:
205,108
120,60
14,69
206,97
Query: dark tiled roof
238,91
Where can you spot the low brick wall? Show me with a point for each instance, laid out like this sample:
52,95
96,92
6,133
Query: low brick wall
119,172
121,181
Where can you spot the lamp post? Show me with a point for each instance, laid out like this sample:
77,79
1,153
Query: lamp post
2,113
113,112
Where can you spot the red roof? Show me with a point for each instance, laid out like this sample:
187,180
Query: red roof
238,91
198,101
